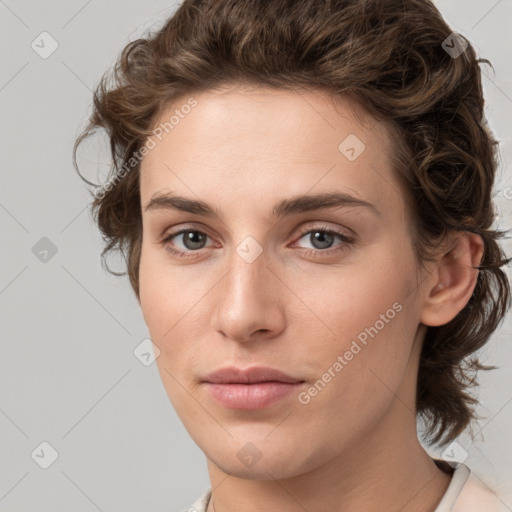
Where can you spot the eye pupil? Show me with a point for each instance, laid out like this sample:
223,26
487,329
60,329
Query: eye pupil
323,237
191,237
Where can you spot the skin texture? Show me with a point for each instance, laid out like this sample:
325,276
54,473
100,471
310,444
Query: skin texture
354,445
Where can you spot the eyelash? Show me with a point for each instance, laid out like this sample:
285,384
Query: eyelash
316,253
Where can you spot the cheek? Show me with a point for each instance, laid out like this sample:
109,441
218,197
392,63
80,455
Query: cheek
173,302
159,296
163,289
166,310
360,372
352,300
371,316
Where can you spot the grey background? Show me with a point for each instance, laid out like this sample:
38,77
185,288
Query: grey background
68,373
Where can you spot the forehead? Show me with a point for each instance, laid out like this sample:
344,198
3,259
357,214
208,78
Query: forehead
267,143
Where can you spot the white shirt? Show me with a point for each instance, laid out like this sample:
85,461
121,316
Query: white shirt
466,493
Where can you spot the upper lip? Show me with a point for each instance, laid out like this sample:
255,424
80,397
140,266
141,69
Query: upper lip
232,375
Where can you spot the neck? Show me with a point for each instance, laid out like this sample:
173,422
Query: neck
376,475
383,469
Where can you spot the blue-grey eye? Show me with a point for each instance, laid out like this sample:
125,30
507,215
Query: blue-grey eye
192,240
322,239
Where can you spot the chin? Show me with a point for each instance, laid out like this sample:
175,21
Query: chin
269,469
261,459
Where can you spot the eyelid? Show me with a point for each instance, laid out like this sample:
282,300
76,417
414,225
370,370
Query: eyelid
322,226
303,230
186,227
182,229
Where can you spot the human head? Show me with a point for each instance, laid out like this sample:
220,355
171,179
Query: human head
386,56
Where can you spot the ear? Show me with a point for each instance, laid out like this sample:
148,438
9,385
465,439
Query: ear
453,280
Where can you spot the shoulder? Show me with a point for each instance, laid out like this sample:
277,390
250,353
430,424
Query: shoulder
475,496
467,493
201,502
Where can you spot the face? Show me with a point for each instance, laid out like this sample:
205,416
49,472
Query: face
325,292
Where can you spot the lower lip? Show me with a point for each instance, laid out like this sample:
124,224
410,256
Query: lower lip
251,396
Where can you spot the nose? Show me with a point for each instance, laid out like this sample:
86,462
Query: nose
249,301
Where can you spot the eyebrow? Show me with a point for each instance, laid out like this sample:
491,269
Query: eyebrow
294,205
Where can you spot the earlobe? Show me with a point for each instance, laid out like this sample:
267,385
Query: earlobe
455,280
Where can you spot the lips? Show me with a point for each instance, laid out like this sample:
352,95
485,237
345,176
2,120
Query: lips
253,375
254,388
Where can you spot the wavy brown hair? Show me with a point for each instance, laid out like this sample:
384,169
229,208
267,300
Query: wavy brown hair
387,55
